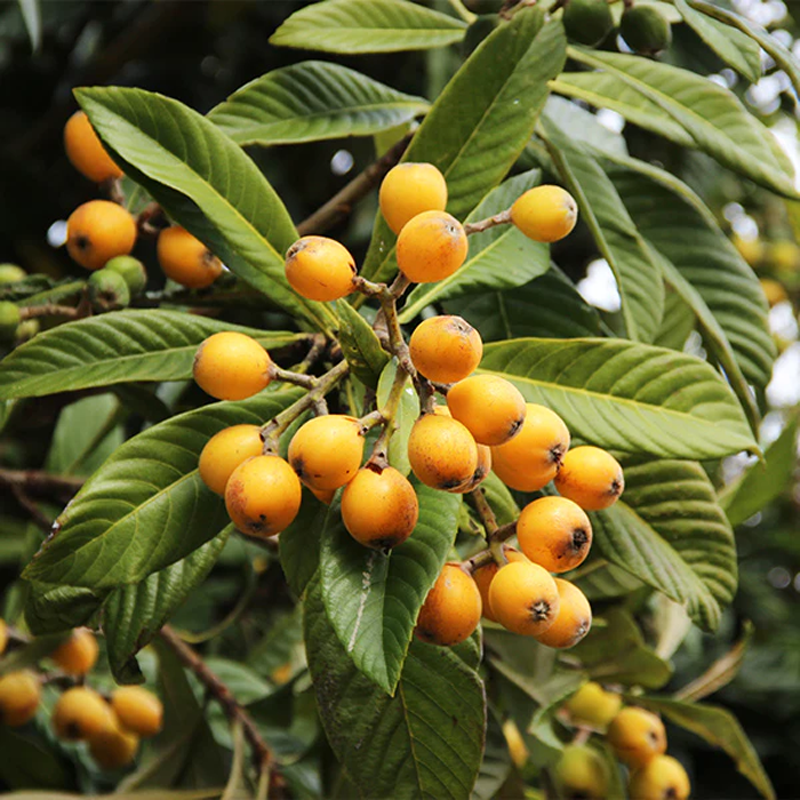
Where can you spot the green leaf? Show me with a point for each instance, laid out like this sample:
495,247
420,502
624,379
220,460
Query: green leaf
312,101
732,46
360,345
765,480
425,742
32,16
677,324
52,609
616,653
496,763
367,26
599,580
638,276
499,258
481,121
372,599
198,175
146,507
407,414
669,531
134,613
626,396
719,728
712,116
133,345
299,543
31,762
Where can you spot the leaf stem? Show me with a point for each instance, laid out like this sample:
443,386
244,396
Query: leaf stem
503,218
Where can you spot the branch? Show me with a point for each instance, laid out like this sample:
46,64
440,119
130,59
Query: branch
49,310
503,218
484,511
40,482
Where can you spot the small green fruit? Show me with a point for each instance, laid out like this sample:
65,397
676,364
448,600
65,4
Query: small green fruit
645,30
593,705
588,21
582,773
27,330
108,290
11,273
9,320
132,270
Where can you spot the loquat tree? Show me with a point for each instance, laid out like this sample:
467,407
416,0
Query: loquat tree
384,501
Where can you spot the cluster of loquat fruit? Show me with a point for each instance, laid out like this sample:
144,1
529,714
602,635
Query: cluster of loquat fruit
112,727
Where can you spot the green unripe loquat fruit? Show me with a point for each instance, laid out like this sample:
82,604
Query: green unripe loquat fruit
588,22
593,705
10,318
581,773
132,270
645,30
108,290
11,273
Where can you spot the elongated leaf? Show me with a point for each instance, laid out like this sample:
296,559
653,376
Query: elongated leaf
677,324
732,46
713,117
372,599
360,345
625,396
32,15
311,101
146,507
639,280
134,613
719,728
198,175
669,532
500,258
481,121
425,742
32,761
367,26
407,414
52,609
299,543
496,763
133,345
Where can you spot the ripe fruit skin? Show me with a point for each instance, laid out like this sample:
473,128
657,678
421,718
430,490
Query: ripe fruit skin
445,349
81,713
185,259
531,459
662,778
85,151
591,477
431,247
554,532
452,609
594,706
108,290
326,451
409,189
545,213
588,21
78,654
492,408
20,694
484,575
3,636
574,618
224,451
380,507
138,710
11,273
524,598
263,496
10,318
132,270
517,748
442,452
481,471
645,30
637,735
231,366
581,773
774,291
114,747
99,230
319,268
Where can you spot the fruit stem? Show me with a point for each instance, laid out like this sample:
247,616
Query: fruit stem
484,512
503,218
387,417
48,310
482,559
286,376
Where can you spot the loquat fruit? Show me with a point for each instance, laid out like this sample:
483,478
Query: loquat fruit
263,496
517,748
573,621
774,291
581,774
530,460
98,231
593,705
319,268
78,654
323,495
132,270
645,30
326,451
107,290
545,213
445,349
591,477
11,273
554,532
20,694
224,451
751,250
637,735
442,452
10,318
113,747
380,507
3,635
588,21
86,152
661,778
138,710
409,189
451,610
483,577
481,471
231,366
524,598
185,259
491,408
81,713
431,247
